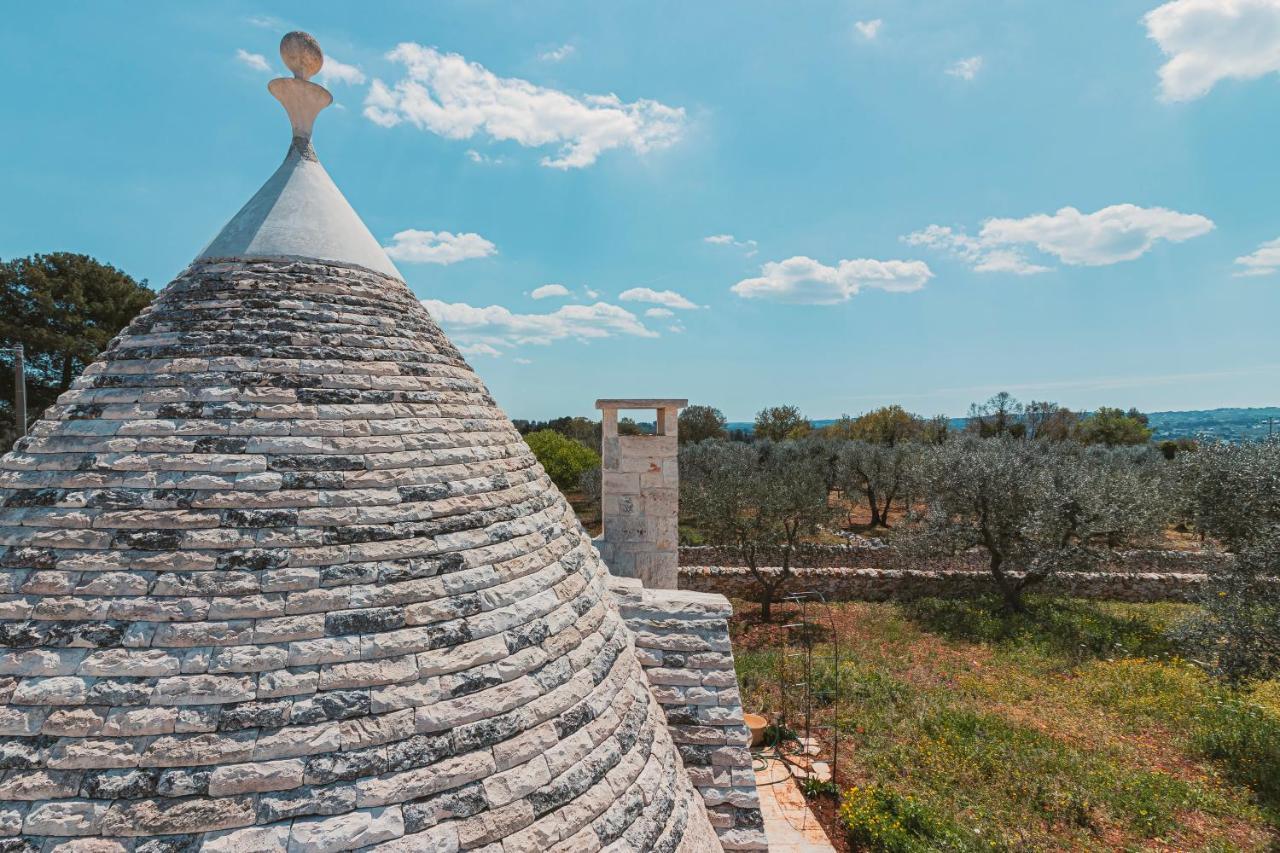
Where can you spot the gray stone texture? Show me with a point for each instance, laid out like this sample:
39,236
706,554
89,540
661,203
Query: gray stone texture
279,574
682,641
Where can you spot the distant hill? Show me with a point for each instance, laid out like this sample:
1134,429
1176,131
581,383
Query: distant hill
1228,424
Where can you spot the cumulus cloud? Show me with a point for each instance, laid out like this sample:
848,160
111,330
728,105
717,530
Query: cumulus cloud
1121,232
869,29
748,246
803,280
522,361
966,69
659,313
557,54
1262,261
256,61
1207,41
500,328
665,298
549,290
445,94
438,247
334,71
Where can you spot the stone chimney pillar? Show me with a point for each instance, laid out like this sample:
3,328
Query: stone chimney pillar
639,495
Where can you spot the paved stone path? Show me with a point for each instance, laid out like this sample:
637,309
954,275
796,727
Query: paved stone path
789,824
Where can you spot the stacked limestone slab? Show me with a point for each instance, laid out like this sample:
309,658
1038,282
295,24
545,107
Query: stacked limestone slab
277,573
682,639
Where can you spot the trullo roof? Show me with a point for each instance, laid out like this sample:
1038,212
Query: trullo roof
280,575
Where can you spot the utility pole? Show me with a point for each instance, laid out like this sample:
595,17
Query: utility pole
20,390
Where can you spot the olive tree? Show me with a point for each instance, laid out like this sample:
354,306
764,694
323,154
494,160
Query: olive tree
878,473
1232,493
1034,508
756,501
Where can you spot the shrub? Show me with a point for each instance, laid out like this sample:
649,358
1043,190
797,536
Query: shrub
564,459
876,818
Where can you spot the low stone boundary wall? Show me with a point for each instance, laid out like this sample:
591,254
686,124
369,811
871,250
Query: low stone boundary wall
682,641
887,557
843,584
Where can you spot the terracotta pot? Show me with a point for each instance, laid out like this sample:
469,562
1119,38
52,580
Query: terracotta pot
757,724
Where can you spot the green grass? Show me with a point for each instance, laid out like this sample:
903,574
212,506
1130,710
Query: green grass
1074,726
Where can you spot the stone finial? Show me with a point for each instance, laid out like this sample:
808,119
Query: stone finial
302,99
301,53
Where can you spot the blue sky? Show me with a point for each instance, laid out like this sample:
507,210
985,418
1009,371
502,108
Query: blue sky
1100,177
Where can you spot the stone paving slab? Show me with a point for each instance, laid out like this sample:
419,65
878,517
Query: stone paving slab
788,822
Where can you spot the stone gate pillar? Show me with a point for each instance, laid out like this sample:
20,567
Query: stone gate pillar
639,496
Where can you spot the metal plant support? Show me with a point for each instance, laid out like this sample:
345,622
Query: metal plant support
801,640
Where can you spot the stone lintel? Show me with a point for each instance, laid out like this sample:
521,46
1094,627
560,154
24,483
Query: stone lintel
642,403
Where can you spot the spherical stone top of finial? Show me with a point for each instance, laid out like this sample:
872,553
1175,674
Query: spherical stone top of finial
301,53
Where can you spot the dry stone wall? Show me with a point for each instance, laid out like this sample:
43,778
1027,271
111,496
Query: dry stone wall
872,556
844,584
277,573
682,640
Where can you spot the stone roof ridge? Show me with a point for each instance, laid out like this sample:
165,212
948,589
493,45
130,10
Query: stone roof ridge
299,213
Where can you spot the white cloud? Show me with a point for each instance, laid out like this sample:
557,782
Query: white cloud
665,298
477,157
559,54
1262,261
1207,41
499,327
981,256
267,22
549,290
966,69
659,313
676,328
591,294
445,94
256,61
869,29
480,349
749,246
803,280
1121,232
522,361
438,247
334,71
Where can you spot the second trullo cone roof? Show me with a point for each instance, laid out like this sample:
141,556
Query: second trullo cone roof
279,574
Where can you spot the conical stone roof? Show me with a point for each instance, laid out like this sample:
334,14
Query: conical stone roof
279,574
